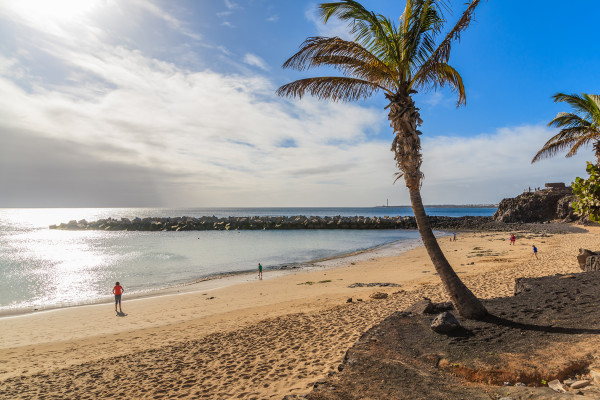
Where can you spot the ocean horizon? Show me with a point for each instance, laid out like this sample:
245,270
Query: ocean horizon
42,268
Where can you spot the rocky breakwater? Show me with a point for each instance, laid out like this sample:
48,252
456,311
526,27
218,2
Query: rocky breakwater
539,206
282,223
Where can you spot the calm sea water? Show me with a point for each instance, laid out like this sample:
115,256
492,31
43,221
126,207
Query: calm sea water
43,268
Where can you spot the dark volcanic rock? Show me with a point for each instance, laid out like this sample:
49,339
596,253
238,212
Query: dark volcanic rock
592,264
379,295
374,284
564,209
445,323
425,306
538,206
268,222
583,256
402,358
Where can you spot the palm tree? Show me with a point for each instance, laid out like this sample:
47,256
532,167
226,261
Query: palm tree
578,129
396,60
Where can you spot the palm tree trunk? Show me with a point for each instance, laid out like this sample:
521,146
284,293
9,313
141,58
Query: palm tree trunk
404,118
464,300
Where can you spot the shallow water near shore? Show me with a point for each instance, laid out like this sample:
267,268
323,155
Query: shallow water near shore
42,268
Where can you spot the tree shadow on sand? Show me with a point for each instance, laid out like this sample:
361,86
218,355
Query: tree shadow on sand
492,319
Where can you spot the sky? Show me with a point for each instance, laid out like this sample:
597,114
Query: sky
157,103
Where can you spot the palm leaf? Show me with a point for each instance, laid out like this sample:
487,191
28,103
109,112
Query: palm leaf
367,27
334,88
579,128
569,120
585,105
349,57
441,75
442,53
567,138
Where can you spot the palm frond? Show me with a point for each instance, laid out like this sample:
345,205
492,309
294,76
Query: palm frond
567,138
583,141
579,128
334,88
551,149
442,52
584,105
367,27
350,67
439,76
423,21
569,120
349,57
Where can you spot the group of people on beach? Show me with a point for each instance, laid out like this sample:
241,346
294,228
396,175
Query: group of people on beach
118,289
513,238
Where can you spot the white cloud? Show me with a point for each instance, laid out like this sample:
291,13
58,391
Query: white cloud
172,21
135,130
207,138
231,5
489,167
256,61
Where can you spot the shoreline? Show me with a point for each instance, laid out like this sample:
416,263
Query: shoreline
259,339
222,280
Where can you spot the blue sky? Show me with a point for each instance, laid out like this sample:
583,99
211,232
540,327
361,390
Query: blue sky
171,103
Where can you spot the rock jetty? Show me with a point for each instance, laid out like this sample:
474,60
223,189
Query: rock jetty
268,223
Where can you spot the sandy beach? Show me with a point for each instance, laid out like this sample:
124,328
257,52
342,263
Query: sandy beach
252,339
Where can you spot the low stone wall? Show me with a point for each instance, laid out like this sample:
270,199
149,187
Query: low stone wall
259,223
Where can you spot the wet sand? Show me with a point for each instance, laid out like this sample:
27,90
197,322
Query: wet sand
252,339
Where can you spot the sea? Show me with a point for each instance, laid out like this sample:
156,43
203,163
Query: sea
42,268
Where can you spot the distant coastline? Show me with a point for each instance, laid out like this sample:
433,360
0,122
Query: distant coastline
448,206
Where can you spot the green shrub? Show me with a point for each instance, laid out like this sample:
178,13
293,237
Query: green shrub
588,191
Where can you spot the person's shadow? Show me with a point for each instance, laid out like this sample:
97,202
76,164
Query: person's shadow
121,314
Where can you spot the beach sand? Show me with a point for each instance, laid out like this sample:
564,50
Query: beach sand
252,339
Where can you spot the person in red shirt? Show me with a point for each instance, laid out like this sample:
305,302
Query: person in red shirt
118,291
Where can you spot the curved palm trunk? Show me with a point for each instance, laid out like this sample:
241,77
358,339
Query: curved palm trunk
404,117
464,300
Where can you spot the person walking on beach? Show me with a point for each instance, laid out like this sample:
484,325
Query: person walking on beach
512,239
259,271
118,291
535,251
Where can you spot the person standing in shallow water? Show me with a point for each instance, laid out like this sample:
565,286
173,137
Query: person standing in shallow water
118,291
259,271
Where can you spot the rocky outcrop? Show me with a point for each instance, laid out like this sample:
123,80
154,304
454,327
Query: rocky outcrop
281,223
588,260
539,206
583,256
507,355
592,264
564,209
